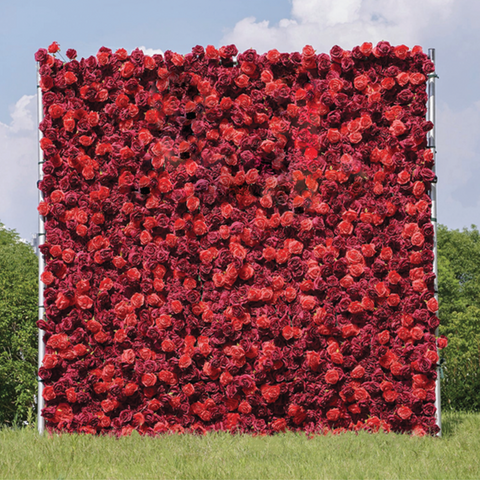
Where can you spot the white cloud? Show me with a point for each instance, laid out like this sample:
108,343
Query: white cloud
18,163
150,51
324,23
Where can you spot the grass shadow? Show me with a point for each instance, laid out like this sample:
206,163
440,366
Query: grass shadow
451,422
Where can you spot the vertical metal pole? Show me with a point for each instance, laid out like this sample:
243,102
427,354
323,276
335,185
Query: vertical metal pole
41,263
433,195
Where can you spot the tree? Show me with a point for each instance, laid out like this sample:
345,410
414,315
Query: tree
18,332
459,295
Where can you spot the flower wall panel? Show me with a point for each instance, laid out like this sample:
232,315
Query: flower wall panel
238,241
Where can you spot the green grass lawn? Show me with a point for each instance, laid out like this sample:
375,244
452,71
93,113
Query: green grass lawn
24,454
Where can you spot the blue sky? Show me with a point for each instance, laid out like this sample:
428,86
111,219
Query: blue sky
450,26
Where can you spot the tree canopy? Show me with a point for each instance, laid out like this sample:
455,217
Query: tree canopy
459,295
18,332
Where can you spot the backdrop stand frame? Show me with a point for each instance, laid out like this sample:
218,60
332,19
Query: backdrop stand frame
41,262
433,196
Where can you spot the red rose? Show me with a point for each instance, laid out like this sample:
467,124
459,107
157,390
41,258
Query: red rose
62,302
442,342
418,189
404,413
313,360
368,250
84,302
48,393
282,255
290,294
279,425
393,300
308,302
390,396
417,78
361,82
54,47
337,358
246,272
354,256
168,377
80,350
270,392
47,277
184,361
432,305
361,394
333,135
149,379
332,376
333,414
188,389
287,332
350,330
238,251
393,277
286,219
383,337
50,361
401,52
128,356
168,345
355,307
345,228
63,413
71,395
109,405
382,290
358,372
418,239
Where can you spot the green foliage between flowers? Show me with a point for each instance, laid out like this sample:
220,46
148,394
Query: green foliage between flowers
459,295
18,332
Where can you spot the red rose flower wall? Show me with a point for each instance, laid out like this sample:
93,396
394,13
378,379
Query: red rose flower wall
238,241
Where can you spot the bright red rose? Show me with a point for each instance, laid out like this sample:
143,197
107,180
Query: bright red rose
48,393
345,228
432,305
270,392
361,394
361,82
149,379
358,372
383,337
184,361
290,294
332,376
308,302
84,302
442,342
63,413
168,377
313,360
128,356
54,47
404,412
355,307
333,414
279,425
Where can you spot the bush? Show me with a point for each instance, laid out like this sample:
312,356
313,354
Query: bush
18,332
459,294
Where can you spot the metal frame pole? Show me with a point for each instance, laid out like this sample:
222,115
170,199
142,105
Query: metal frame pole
41,262
433,196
